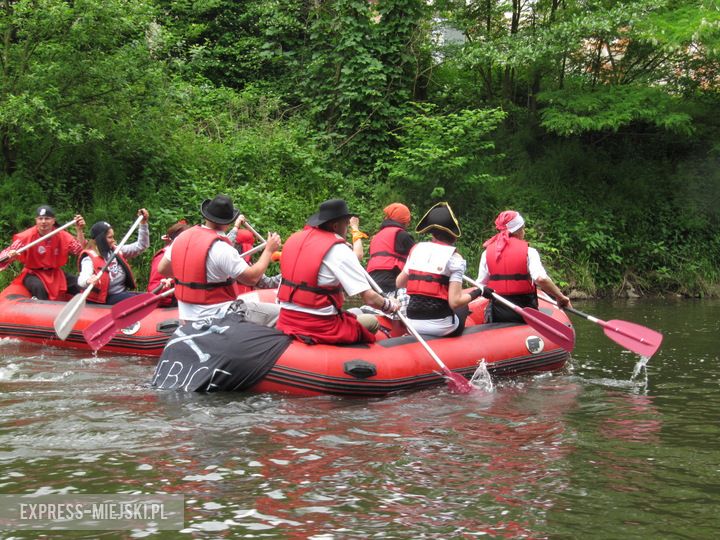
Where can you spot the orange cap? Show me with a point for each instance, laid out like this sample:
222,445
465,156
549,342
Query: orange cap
398,212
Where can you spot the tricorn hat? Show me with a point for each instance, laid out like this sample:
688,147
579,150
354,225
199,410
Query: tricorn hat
439,217
329,211
219,210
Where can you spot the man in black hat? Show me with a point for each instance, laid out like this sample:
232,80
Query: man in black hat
318,268
43,276
209,272
433,276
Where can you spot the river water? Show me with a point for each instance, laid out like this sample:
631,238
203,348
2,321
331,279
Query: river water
584,453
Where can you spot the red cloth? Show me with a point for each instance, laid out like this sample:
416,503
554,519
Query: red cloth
245,240
342,328
500,240
156,277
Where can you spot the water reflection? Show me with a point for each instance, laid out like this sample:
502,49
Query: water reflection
586,453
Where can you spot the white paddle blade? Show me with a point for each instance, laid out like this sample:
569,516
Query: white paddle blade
66,319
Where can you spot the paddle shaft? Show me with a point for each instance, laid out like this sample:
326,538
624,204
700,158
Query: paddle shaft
115,253
252,230
645,337
560,333
67,318
121,313
412,330
36,242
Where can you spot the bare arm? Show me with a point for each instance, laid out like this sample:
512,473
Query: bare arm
548,285
165,267
253,273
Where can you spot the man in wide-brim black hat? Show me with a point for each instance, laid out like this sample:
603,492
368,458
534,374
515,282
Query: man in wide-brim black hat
207,268
318,269
433,276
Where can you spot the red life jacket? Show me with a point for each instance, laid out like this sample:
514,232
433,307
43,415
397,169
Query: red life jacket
190,251
156,277
509,275
100,288
244,241
423,282
382,250
300,278
45,260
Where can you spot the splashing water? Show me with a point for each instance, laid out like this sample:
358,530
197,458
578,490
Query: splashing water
481,378
640,367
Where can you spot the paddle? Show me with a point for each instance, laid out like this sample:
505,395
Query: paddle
252,230
5,260
550,328
99,333
67,318
129,311
456,382
633,337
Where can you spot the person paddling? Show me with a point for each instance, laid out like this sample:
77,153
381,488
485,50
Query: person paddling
513,269
117,282
433,276
206,267
390,247
156,278
317,267
43,275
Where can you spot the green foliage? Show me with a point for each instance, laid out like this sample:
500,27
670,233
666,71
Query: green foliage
596,120
444,155
571,112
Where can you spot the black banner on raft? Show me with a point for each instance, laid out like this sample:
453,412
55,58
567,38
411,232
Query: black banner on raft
220,354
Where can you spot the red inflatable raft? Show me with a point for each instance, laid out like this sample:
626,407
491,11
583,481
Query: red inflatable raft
401,363
225,355
28,319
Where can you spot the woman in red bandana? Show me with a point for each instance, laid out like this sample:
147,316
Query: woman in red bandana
513,269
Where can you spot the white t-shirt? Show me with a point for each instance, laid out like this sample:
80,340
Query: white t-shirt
340,266
223,262
535,267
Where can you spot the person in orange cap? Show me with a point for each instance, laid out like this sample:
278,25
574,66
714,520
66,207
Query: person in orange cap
513,269
390,247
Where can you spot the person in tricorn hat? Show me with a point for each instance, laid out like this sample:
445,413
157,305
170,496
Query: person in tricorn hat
433,276
389,248
118,282
207,268
43,275
317,267
513,269
156,278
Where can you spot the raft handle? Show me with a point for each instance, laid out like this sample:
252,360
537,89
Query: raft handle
168,326
360,369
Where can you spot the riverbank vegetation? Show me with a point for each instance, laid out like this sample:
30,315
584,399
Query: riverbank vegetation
597,120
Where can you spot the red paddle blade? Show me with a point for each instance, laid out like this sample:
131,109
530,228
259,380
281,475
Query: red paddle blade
551,329
457,383
134,309
633,337
99,333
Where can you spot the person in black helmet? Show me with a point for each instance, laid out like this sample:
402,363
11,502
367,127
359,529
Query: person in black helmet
117,282
43,275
